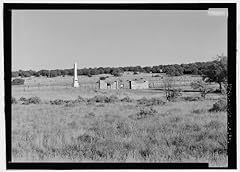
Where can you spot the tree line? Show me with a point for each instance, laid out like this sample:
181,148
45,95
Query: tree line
198,68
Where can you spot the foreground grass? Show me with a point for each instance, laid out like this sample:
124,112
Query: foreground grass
174,132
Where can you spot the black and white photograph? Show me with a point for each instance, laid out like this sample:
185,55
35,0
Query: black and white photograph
121,84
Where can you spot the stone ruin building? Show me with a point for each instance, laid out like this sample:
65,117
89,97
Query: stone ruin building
127,85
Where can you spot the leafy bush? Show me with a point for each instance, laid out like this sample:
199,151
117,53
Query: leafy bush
191,98
156,75
103,99
23,99
127,99
103,77
32,100
89,75
70,103
14,101
90,115
220,105
150,102
202,87
98,99
18,81
57,102
171,93
144,113
80,99
199,111
135,73
15,74
113,99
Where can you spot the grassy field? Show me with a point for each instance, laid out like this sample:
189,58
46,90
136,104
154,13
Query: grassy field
120,130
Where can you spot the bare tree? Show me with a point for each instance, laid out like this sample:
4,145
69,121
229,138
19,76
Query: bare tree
171,93
202,87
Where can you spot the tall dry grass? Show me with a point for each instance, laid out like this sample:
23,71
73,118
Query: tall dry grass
85,132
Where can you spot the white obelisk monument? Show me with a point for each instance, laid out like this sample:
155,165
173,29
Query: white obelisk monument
75,78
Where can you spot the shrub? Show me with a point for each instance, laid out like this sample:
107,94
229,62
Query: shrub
127,99
18,81
156,101
80,99
15,74
23,99
142,101
220,105
199,111
113,99
135,73
14,101
144,113
103,77
98,99
191,98
70,103
170,92
89,75
156,75
32,100
103,99
57,102
202,87
90,115
173,94
150,102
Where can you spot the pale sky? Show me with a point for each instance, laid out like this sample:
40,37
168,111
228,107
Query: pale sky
55,39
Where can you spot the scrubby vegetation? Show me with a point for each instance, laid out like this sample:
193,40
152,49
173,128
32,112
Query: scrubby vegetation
31,100
57,102
119,125
202,87
14,101
127,99
116,134
144,113
18,81
150,102
189,98
198,68
220,105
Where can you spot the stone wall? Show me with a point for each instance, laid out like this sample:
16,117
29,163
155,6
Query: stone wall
108,85
139,85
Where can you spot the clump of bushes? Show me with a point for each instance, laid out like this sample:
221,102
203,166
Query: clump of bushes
103,77
191,98
127,99
156,75
135,73
172,95
80,99
202,87
98,99
13,100
70,103
199,111
57,102
150,102
23,99
32,100
220,105
18,81
103,99
113,99
90,115
144,113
